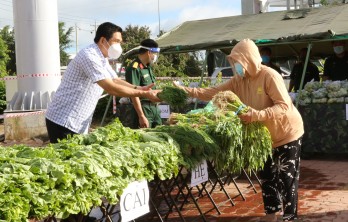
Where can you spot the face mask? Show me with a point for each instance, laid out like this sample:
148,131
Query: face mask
239,69
154,60
114,51
265,59
338,49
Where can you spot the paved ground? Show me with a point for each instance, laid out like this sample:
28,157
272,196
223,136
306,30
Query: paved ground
323,197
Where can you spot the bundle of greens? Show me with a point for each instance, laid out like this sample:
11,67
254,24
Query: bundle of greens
227,100
257,146
242,146
195,144
174,96
257,142
222,127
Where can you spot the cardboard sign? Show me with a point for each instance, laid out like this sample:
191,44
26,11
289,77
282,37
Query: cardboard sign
165,111
199,174
134,201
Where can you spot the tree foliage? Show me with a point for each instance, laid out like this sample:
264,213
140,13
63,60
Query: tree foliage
192,67
64,42
169,65
8,36
7,52
133,35
3,72
3,58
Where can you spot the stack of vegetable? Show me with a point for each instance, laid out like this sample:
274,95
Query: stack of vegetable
240,145
194,144
71,176
256,139
324,92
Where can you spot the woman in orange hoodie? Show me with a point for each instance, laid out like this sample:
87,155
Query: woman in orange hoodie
263,90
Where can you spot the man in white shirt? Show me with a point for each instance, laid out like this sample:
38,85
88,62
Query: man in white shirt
84,81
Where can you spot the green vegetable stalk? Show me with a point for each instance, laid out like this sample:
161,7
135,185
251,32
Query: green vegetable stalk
174,96
241,146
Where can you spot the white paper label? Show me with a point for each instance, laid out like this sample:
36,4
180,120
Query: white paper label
346,111
165,111
134,201
199,174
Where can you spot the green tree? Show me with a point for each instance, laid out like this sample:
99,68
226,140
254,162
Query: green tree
7,36
169,65
192,67
3,72
64,42
133,35
3,57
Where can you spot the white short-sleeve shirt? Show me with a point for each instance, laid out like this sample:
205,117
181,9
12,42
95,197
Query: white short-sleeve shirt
75,100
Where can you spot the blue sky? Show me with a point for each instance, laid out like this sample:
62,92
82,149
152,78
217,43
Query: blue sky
86,13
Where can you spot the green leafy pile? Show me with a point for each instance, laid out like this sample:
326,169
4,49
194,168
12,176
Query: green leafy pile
257,142
195,144
174,96
241,146
71,176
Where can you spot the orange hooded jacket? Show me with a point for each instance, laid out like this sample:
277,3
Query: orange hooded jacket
263,89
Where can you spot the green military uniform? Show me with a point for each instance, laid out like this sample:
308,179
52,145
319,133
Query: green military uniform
141,75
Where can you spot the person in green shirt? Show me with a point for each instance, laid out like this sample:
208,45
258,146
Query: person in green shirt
144,114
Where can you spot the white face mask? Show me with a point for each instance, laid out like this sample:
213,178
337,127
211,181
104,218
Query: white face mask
114,51
154,60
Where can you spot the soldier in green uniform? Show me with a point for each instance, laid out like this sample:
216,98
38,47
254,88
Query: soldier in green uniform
144,113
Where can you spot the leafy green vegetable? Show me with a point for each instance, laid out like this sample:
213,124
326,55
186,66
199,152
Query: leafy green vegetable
240,145
71,176
195,144
174,96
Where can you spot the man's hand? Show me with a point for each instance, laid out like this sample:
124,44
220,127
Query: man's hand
146,88
143,122
152,95
246,117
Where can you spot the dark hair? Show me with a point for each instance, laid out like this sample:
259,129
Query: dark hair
106,30
150,43
266,49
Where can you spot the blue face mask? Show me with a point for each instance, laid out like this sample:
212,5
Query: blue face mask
265,59
239,69
338,49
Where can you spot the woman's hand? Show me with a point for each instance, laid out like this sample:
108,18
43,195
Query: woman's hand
246,117
178,85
